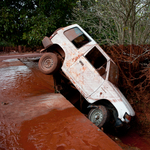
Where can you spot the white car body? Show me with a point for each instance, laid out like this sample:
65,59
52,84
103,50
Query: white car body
84,76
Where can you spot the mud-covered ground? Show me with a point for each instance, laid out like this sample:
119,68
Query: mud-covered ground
22,86
32,116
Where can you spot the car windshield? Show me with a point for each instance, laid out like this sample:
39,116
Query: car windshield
77,37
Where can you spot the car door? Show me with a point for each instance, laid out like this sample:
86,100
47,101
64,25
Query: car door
85,76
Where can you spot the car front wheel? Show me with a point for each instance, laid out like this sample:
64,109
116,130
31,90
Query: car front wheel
98,115
49,63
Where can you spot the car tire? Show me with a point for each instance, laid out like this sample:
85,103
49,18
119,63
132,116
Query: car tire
99,115
49,63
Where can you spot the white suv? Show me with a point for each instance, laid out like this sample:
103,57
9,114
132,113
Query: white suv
90,70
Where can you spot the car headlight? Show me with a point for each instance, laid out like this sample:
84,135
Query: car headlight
127,118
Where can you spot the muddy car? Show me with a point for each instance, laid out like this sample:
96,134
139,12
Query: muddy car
91,71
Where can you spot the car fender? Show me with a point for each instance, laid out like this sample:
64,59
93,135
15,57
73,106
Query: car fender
113,94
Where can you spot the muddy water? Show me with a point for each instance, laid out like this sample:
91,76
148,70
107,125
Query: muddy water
132,138
32,116
17,83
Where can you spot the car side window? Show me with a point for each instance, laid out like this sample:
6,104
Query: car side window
77,37
98,61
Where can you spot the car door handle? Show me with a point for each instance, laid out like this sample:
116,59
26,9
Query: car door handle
81,63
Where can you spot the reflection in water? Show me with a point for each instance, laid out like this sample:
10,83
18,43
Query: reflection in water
9,76
10,60
17,82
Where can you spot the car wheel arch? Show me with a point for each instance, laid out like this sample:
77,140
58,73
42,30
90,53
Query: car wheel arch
55,48
107,103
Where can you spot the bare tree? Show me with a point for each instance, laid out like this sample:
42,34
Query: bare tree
115,21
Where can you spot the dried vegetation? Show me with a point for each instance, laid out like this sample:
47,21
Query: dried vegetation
134,65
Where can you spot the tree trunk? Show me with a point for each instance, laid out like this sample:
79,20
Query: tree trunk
19,48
